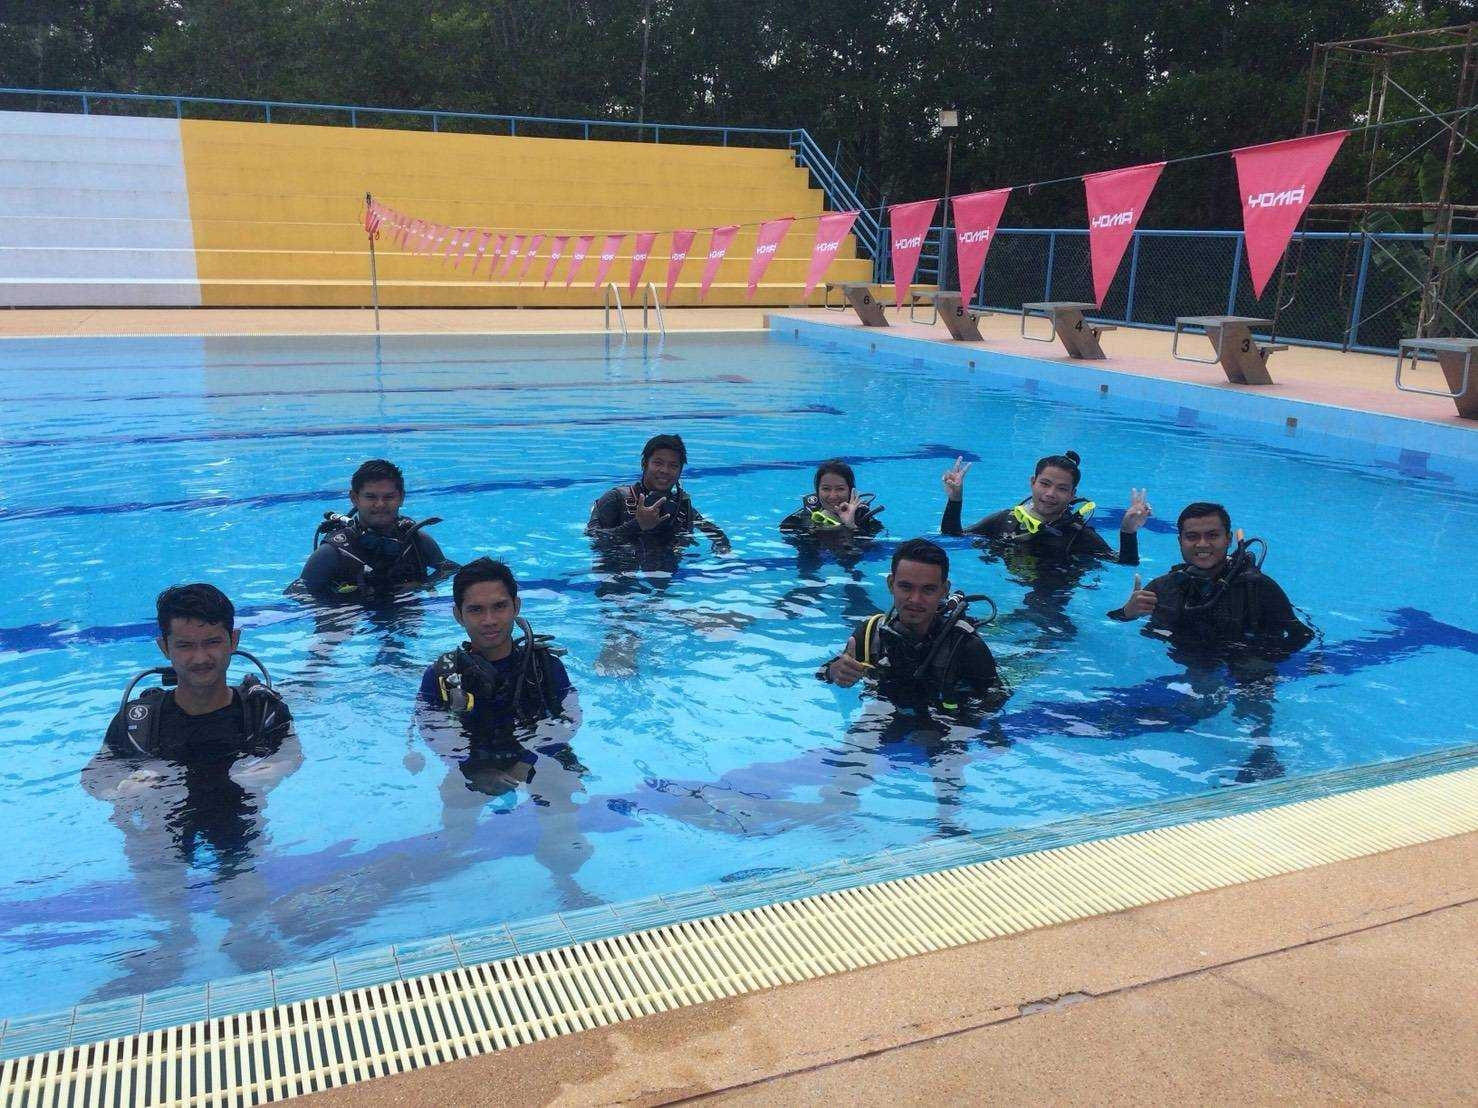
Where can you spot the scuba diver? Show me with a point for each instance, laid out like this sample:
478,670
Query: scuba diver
1051,523
1218,596
374,549
923,653
1217,609
492,681
501,713
835,509
656,511
186,770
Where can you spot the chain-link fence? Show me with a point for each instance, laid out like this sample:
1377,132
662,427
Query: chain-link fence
1354,291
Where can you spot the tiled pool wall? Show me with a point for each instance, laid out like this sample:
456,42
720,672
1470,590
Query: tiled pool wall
183,1004
1411,447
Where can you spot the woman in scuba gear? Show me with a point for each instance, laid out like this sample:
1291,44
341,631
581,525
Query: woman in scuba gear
835,508
1052,521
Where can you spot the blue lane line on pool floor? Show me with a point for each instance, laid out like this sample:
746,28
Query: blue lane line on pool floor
335,496
369,361
708,415
394,390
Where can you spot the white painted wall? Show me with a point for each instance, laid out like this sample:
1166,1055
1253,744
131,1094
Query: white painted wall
94,211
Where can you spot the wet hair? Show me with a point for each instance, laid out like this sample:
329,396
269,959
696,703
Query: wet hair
202,602
1203,508
922,550
665,442
837,466
476,572
1068,462
377,469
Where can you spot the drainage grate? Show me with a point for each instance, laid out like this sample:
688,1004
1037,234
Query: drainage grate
275,1053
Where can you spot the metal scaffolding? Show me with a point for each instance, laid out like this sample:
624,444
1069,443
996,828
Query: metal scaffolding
1429,79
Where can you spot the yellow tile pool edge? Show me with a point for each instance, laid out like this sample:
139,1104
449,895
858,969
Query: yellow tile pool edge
303,1047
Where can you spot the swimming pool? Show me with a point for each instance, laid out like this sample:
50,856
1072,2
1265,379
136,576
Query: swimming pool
709,753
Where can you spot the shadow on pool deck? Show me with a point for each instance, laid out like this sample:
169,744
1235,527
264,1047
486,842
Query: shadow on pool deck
1351,981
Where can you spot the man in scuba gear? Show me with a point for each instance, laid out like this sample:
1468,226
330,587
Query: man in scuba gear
1219,595
1053,521
501,713
186,771
835,508
656,511
923,652
493,682
374,549
202,721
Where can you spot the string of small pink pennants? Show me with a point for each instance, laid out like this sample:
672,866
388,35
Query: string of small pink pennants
1276,182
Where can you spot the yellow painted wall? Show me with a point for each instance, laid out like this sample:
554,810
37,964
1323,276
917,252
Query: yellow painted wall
276,213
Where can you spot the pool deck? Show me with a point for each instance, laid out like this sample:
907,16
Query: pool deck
1349,981
1364,382
1353,981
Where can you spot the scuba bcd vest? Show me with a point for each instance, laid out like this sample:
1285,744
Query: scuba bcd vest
265,714
376,561
1200,591
1025,525
679,511
467,682
931,661
822,518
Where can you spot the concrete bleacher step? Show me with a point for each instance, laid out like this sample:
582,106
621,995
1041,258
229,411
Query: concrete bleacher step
114,209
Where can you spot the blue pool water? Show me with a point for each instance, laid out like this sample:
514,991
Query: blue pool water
709,752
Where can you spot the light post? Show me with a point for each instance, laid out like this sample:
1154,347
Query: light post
949,120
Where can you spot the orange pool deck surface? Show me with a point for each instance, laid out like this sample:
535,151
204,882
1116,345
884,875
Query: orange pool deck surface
1351,982
1361,381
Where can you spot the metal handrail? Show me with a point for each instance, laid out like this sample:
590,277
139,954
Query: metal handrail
650,293
86,98
612,290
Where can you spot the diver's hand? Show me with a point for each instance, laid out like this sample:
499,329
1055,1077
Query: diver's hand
847,512
1139,511
138,782
649,515
845,670
954,479
1141,601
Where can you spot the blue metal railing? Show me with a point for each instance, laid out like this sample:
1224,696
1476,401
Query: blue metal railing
839,194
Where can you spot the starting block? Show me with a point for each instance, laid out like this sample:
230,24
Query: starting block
1075,333
1242,358
864,303
962,321
1455,356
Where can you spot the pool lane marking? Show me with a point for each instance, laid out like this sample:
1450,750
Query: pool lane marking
403,390
925,452
351,430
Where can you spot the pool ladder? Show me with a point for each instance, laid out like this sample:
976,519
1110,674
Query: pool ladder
649,301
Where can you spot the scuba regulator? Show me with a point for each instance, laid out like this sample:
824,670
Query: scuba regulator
825,519
378,576
491,685
1246,557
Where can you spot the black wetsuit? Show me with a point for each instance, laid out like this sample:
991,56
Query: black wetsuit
1069,536
962,669
613,520
1198,610
355,560
501,693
